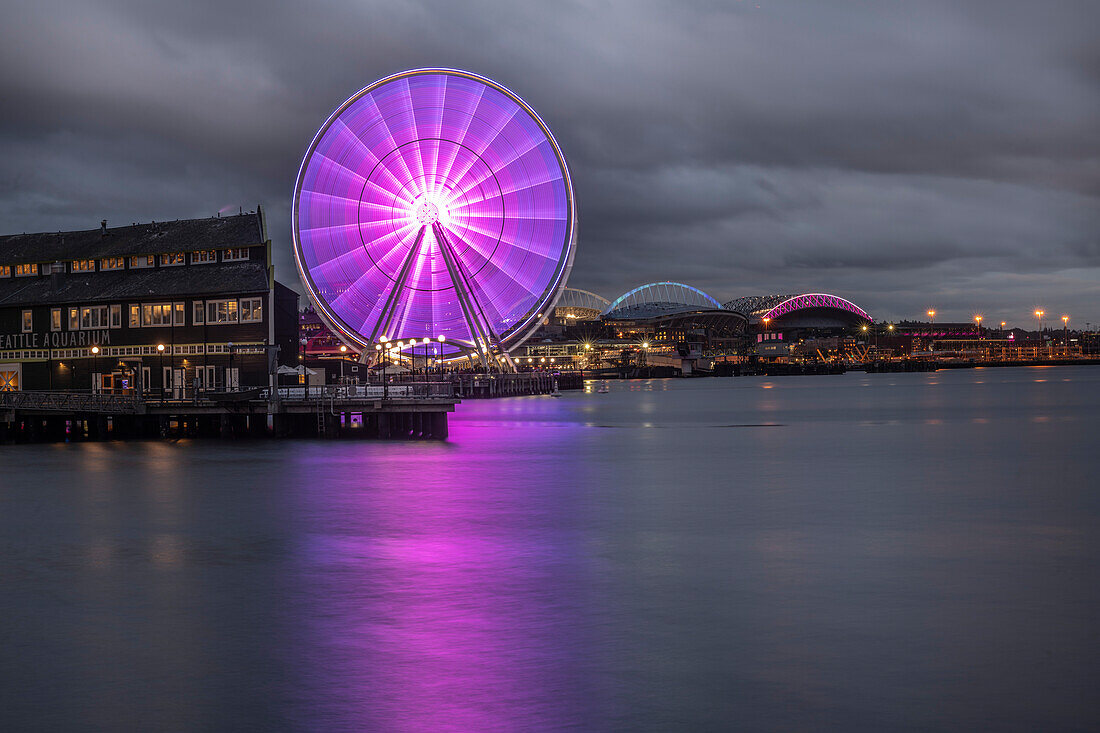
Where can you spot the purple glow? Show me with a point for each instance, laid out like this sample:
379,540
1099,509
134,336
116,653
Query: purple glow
417,151
815,300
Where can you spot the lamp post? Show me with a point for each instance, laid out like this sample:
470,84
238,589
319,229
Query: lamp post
343,350
95,368
441,338
1039,326
932,327
160,366
384,348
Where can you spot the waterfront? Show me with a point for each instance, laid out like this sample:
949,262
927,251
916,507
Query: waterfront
855,552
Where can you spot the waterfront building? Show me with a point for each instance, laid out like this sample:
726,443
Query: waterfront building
165,308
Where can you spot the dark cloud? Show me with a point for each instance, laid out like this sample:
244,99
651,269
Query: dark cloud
900,154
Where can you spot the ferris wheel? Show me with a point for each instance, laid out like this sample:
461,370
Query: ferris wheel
434,204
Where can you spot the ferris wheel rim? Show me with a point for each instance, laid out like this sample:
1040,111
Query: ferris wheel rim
515,333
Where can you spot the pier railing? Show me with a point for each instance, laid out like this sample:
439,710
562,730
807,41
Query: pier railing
68,402
409,390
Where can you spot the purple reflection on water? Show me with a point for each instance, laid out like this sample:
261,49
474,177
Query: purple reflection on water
440,594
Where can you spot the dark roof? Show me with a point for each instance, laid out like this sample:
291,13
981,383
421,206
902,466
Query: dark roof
187,235
120,285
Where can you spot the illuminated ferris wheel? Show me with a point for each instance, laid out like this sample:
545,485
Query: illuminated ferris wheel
434,203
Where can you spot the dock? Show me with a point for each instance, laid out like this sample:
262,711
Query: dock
406,411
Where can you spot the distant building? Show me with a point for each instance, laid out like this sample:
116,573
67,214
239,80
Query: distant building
166,307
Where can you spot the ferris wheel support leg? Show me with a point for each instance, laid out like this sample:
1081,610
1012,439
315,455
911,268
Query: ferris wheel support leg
474,314
385,318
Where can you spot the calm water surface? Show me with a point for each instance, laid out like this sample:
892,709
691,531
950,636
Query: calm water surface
859,552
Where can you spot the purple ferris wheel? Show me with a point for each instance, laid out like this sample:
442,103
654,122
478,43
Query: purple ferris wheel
434,205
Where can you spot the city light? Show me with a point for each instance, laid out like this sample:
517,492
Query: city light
95,349
160,347
343,349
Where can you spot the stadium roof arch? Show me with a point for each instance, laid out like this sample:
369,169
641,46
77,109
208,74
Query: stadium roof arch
805,310
659,298
581,305
672,304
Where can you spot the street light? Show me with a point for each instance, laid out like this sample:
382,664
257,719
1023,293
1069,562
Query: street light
160,366
95,369
931,328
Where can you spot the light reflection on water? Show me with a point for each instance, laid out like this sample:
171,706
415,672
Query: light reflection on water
836,552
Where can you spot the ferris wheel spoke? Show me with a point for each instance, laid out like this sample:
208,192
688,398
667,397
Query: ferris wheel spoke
476,316
373,161
507,241
456,139
501,166
386,315
394,144
489,263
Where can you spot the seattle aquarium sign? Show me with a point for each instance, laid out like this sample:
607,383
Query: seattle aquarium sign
55,339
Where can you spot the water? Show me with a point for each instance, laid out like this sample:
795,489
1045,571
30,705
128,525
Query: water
882,552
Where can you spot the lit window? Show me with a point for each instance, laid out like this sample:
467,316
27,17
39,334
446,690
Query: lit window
179,314
252,310
28,321
232,255
172,259
5,270
26,270
55,319
135,316
156,314
83,265
221,311
143,261
204,256
74,319
112,263
93,316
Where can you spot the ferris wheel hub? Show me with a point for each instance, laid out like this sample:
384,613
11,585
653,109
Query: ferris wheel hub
426,213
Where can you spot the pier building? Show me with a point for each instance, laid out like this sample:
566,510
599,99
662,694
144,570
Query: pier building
163,308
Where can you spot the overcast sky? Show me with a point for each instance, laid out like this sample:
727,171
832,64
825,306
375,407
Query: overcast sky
902,154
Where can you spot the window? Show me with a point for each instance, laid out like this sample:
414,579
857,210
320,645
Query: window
252,310
112,263
179,314
143,261
83,265
28,321
221,311
197,313
94,316
203,256
74,319
116,316
5,270
26,270
231,255
55,319
171,260
156,314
